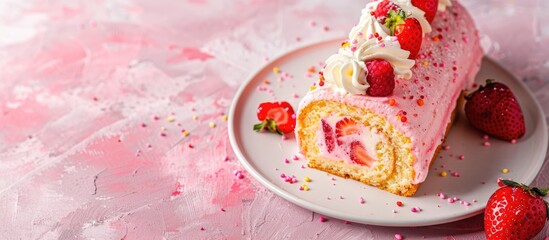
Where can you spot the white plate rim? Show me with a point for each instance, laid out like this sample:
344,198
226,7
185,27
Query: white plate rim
334,213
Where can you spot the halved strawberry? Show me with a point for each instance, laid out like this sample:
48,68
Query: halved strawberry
359,155
345,127
276,117
328,136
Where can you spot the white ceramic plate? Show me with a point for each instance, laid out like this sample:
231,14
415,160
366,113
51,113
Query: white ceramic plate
264,154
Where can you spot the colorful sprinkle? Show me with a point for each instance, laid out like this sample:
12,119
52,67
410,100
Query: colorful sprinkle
224,118
420,102
211,124
185,133
505,170
486,144
307,179
392,102
276,70
443,174
362,201
195,117
398,236
461,157
170,119
305,187
399,203
322,219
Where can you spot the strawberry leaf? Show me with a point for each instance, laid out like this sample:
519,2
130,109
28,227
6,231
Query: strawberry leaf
510,183
394,19
541,192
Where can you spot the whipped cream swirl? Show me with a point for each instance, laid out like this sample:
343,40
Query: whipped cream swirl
347,70
443,4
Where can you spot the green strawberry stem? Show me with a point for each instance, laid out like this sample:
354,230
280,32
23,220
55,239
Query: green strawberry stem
394,20
542,192
268,124
535,192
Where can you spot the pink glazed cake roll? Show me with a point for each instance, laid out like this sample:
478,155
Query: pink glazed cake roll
389,142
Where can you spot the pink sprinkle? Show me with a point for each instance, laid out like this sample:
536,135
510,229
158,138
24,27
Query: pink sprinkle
486,137
286,161
191,146
447,147
362,200
302,166
466,203
451,200
226,158
398,236
295,157
222,209
353,48
354,41
282,175
382,44
295,95
202,229
322,219
415,209
312,23
162,134
345,222
240,176
394,211
441,196
300,188
513,141
360,34
284,138
461,157
326,29
143,125
486,144
456,174
155,118
475,201
298,39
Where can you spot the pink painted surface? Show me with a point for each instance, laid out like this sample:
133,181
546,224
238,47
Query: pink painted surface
82,156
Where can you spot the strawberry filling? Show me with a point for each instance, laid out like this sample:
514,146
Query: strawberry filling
355,142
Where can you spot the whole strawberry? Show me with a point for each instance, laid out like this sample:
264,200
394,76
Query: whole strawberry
515,211
494,109
277,117
407,30
381,78
430,8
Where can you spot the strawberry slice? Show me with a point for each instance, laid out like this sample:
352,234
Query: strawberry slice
359,155
328,136
346,127
277,117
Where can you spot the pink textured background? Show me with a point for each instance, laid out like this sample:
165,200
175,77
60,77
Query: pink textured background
82,157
